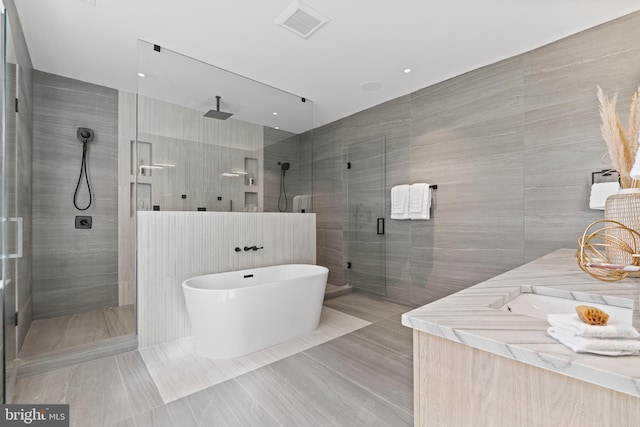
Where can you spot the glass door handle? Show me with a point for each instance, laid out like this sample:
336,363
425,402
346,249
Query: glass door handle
380,226
18,221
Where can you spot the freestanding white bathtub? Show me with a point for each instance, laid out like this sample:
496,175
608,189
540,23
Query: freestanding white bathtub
239,312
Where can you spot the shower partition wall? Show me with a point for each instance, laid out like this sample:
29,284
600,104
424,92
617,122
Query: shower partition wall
210,140
366,216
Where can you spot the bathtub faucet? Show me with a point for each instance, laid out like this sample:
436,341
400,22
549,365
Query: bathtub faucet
252,248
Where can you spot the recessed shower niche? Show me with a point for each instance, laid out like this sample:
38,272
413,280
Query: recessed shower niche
141,176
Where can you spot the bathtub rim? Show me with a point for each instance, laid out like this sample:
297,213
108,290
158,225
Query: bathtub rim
322,270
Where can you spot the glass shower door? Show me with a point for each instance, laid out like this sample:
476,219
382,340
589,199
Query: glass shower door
366,216
11,223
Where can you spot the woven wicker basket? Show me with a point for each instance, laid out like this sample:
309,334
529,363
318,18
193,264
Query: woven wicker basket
623,207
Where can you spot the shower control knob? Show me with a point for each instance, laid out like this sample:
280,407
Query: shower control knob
237,249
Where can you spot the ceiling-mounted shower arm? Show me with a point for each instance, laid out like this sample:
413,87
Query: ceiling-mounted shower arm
217,114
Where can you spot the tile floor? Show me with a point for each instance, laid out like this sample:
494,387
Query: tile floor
64,332
361,378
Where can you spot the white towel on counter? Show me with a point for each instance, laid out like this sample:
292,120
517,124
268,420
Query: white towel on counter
420,201
603,346
400,202
573,324
600,191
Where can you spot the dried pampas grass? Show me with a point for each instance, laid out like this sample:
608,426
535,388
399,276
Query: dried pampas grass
622,146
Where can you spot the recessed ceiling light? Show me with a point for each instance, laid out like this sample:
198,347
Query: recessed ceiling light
275,113
277,127
407,70
140,74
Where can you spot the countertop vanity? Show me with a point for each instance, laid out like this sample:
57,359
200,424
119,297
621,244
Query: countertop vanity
478,363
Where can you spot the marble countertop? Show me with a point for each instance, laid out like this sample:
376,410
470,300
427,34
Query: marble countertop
472,317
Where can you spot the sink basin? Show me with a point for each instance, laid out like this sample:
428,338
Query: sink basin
539,306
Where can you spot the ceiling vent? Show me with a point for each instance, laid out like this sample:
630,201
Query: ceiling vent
301,19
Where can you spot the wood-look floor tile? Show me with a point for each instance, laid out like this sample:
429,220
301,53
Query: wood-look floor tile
389,333
141,390
228,404
56,333
298,391
366,308
94,391
120,320
382,372
177,413
178,371
128,422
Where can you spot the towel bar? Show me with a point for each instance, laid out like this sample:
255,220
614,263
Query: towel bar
603,172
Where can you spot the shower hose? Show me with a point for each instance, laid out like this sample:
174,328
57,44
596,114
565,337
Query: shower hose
282,191
83,169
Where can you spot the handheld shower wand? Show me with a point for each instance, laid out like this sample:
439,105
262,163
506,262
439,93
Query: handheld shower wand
283,192
85,135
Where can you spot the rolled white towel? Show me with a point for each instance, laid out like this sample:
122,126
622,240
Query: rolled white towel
603,346
600,191
613,329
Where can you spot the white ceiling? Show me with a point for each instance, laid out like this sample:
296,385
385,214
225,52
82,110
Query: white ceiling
366,40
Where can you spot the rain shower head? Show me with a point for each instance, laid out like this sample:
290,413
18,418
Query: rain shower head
217,114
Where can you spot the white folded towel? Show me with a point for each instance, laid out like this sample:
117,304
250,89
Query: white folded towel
400,202
604,346
572,323
600,191
419,201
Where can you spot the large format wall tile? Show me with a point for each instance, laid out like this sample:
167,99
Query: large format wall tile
328,198
24,137
73,270
511,147
280,147
562,136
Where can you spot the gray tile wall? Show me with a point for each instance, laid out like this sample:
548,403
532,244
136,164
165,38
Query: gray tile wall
329,199
280,146
24,204
511,146
73,270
